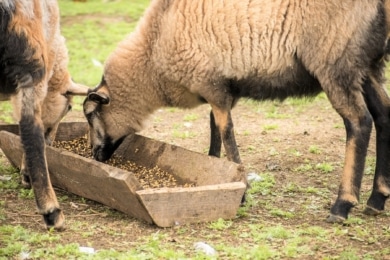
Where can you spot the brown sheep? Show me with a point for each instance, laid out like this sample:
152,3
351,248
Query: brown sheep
186,53
33,73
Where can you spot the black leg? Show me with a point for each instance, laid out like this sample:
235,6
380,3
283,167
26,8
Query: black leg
35,166
215,138
379,105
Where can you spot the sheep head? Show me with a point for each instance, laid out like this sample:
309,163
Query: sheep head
103,135
58,102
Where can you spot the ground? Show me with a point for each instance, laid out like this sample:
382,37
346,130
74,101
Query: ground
299,144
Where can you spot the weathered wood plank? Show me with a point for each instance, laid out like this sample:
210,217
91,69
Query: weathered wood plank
65,131
100,182
71,130
176,206
12,128
5,97
11,147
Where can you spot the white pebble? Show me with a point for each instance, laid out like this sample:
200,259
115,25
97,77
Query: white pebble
253,177
87,250
205,248
5,178
24,255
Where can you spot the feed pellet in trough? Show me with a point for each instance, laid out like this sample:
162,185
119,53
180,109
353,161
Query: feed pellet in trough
147,177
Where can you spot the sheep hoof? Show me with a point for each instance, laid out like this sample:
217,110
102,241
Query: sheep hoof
55,219
335,219
371,211
243,200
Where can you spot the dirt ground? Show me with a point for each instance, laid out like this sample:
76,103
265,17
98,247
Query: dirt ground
274,139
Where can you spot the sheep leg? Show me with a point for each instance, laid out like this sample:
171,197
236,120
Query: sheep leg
215,135
221,124
379,105
215,138
358,135
224,123
358,124
26,183
31,132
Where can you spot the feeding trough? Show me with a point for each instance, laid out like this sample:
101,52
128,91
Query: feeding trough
218,184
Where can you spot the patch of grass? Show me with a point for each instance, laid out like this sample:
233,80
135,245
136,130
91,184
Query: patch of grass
190,117
314,149
273,233
183,134
6,114
274,114
246,133
339,126
89,42
354,220
62,251
17,239
251,148
281,213
291,188
295,188
26,193
295,152
91,38
370,165
324,167
273,152
304,168
299,102
154,246
258,251
220,224
115,8
349,254
314,231
11,177
264,186
270,127
172,109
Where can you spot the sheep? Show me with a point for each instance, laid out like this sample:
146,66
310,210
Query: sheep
188,53
34,75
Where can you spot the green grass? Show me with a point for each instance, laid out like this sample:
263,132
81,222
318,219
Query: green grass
314,149
131,10
6,112
92,38
190,117
324,167
270,127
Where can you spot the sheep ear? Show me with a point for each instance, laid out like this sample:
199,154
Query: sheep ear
78,89
99,97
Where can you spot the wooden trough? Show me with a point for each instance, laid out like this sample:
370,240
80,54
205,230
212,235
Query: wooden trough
217,194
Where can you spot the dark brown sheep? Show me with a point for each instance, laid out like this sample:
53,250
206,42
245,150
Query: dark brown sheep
33,73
